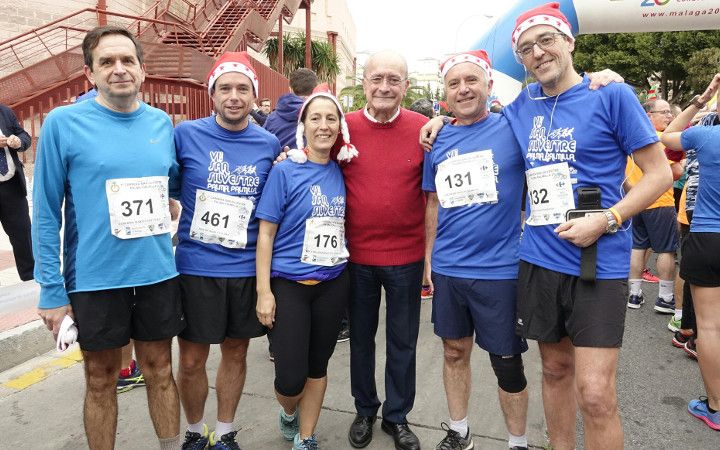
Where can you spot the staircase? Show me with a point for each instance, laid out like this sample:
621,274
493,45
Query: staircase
42,68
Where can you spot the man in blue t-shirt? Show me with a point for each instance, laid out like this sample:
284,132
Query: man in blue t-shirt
109,166
572,138
474,179
225,161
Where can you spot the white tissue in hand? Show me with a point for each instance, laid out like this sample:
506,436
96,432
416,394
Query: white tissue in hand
67,335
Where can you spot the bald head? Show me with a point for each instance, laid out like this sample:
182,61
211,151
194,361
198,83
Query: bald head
386,58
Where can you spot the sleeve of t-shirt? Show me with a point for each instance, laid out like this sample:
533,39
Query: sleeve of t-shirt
273,201
174,172
630,123
50,179
428,179
693,138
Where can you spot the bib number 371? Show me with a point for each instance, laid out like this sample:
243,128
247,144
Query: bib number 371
138,207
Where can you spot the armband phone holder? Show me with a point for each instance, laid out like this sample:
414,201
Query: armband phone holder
588,199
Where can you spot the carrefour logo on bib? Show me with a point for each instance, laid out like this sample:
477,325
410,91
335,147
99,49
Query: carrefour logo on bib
654,2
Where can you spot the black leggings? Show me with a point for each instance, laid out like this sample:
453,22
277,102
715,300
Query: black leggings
307,322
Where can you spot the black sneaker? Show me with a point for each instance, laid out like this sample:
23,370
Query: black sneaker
453,440
226,442
344,334
196,441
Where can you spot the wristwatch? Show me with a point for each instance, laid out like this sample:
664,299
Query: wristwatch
612,225
697,103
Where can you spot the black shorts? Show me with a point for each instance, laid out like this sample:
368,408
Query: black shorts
216,308
552,305
107,319
656,228
700,265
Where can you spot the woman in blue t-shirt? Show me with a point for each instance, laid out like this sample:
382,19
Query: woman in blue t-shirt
700,266
302,282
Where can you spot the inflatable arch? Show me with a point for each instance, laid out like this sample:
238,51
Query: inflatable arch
593,17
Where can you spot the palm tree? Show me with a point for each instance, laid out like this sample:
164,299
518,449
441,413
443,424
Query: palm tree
324,62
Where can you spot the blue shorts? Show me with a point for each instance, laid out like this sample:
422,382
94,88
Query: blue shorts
656,228
463,306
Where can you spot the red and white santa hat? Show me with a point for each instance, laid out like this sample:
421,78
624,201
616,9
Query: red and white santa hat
233,62
347,151
547,14
479,57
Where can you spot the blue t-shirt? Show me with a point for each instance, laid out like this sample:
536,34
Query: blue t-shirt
234,163
706,142
81,146
593,131
294,193
479,241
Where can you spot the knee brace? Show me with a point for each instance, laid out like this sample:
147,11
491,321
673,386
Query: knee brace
509,372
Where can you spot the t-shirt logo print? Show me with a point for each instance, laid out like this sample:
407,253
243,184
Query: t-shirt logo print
322,208
243,180
556,146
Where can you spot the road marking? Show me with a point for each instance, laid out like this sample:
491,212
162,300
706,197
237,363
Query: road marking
40,373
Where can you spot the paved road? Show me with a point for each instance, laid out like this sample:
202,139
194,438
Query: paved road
655,381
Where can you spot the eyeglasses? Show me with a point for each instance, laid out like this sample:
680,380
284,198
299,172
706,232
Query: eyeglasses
665,112
391,80
545,41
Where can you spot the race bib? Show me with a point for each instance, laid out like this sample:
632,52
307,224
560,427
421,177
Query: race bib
220,219
466,179
324,242
138,206
550,192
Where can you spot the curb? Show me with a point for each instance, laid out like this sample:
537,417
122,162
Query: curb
23,343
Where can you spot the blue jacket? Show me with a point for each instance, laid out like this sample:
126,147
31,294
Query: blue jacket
283,121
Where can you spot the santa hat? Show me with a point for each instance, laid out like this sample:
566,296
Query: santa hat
547,14
233,62
347,151
478,57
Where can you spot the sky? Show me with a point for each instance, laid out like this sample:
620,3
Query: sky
422,28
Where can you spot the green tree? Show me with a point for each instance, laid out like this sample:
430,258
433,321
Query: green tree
639,57
324,62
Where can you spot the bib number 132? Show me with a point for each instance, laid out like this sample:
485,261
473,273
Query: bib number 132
539,196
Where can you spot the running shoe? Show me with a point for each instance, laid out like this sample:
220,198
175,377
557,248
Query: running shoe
196,441
665,306
453,440
133,380
700,409
674,324
635,301
289,427
679,339
426,293
310,443
226,442
344,334
691,348
648,276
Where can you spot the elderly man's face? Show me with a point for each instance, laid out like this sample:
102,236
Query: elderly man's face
385,83
661,115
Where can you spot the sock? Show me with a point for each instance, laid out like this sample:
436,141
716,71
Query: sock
288,417
517,441
196,427
666,289
222,428
678,314
170,443
125,372
635,286
460,426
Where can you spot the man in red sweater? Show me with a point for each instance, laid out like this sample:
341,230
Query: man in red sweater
385,231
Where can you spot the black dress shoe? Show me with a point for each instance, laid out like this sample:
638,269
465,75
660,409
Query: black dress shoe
361,430
404,438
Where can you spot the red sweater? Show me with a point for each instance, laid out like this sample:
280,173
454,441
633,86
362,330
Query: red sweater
385,215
